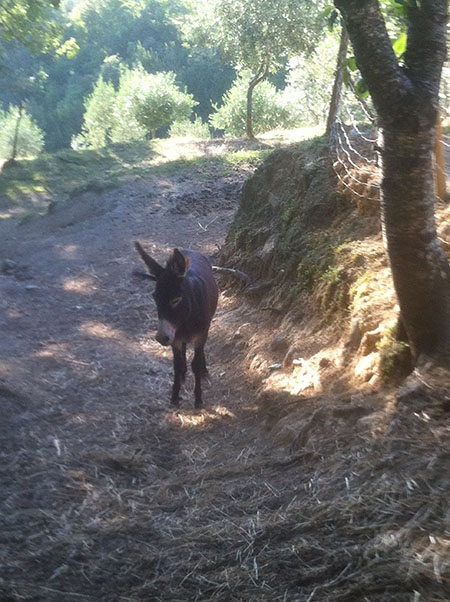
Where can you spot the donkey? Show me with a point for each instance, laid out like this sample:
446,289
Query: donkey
186,296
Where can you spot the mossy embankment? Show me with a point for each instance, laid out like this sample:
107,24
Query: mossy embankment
318,266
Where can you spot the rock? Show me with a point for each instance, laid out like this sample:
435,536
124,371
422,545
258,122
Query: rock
244,331
355,336
12,268
274,367
279,344
444,236
8,266
293,352
367,367
370,340
258,289
324,362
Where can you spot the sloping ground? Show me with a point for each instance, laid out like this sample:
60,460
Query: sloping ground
106,494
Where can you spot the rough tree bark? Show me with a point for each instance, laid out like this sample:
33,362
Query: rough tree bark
260,76
406,99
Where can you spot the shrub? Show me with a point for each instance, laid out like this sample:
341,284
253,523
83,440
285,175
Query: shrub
30,139
125,124
98,116
268,110
191,129
160,102
142,103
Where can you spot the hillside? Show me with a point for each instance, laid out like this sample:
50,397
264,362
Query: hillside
311,475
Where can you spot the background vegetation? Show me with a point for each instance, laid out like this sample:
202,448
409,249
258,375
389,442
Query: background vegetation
86,79
107,71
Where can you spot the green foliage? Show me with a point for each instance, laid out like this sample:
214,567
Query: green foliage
159,102
395,357
143,103
252,33
30,140
31,22
125,125
191,129
309,83
333,291
360,288
98,116
259,36
268,109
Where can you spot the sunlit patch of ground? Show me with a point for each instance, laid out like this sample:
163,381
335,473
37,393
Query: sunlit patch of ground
200,418
84,285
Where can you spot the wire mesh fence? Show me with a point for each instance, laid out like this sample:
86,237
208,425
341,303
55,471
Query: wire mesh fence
355,160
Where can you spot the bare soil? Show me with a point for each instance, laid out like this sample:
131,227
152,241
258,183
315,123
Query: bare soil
108,494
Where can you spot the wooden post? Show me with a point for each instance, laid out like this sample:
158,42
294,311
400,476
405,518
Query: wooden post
439,161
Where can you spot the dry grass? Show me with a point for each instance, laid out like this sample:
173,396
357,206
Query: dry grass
185,506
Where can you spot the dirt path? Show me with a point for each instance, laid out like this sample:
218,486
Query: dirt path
106,493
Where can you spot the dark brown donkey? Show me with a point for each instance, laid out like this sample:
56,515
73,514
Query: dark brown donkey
186,299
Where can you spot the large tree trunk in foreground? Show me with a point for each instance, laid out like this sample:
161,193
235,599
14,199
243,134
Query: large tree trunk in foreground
406,100
261,75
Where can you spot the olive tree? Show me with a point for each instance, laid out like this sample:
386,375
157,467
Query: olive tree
259,35
268,109
160,102
142,103
20,136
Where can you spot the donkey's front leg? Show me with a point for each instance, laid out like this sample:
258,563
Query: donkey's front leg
179,369
198,367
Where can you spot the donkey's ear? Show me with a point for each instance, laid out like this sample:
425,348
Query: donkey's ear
155,270
179,263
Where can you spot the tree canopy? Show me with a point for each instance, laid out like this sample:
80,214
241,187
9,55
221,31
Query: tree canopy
30,22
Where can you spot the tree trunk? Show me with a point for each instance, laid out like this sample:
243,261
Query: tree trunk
261,75
337,86
419,265
16,135
406,100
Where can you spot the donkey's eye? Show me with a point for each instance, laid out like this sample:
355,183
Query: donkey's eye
175,301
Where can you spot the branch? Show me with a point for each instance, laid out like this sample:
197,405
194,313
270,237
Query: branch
240,275
374,54
261,75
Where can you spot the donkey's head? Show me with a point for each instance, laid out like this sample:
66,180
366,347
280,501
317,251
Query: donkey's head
172,302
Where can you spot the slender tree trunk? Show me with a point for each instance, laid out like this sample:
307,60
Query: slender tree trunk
337,86
261,75
16,134
406,100
249,114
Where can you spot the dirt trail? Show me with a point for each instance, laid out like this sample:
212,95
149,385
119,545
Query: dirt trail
106,493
